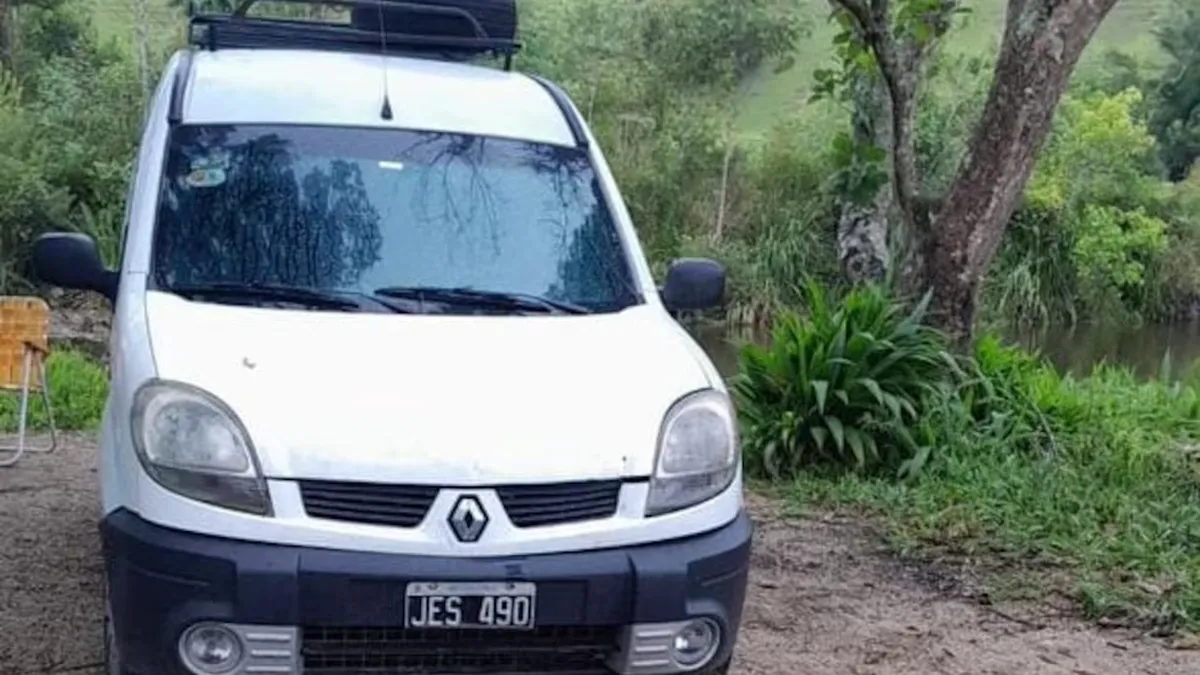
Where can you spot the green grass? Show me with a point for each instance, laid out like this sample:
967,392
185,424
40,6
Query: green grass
116,20
770,96
1112,517
78,389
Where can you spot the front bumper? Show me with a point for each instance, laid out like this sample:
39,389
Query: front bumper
162,581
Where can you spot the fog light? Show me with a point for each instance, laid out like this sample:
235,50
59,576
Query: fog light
210,649
696,643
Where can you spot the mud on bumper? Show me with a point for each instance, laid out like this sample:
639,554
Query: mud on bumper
315,611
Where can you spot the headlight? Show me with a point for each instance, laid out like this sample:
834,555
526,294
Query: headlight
697,453
192,444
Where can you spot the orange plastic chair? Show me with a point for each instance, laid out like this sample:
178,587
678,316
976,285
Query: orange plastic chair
24,346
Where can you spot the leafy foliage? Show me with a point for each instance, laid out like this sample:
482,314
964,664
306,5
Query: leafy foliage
1096,221
68,127
841,387
29,203
1001,391
723,41
861,169
1113,244
1176,117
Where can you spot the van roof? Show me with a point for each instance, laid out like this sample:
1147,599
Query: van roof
296,86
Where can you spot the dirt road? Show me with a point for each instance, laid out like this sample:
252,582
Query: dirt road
824,598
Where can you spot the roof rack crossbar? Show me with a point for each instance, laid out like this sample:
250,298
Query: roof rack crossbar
256,33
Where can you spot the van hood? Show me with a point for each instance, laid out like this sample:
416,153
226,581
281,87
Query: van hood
451,400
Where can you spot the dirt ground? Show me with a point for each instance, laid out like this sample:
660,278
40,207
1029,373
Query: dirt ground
825,598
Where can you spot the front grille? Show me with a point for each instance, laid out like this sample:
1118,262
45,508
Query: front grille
407,505
375,504
537,505
396,651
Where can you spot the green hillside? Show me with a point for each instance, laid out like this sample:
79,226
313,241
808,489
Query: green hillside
770,95
115,20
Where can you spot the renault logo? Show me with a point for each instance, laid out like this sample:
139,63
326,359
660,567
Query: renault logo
468,519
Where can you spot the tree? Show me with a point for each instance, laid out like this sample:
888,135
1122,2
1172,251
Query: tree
1176,117
954,237
861,155
10,26
862,182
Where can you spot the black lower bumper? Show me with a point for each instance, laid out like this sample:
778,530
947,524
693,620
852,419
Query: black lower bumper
161,581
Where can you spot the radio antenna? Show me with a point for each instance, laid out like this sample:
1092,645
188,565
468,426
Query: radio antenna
386,112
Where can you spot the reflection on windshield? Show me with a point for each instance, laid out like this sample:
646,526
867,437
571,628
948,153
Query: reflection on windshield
361,209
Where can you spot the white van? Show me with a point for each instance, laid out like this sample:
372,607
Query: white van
393,390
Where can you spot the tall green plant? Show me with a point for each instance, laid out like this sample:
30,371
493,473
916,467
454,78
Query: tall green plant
840,388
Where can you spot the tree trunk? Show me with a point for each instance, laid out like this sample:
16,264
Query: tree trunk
862,234
1043,40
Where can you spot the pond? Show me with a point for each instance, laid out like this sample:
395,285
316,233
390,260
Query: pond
1073,350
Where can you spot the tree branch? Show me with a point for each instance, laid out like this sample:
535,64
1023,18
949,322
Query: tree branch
900,76
901,80
859,11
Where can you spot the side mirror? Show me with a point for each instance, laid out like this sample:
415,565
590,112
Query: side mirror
71,260
694,284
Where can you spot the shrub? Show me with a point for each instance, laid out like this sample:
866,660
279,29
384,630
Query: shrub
29,202
840,388
1094,224
1001,391
68,130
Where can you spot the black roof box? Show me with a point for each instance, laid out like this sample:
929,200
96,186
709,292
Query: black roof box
495,19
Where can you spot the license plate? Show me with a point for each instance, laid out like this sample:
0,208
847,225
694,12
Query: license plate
507,605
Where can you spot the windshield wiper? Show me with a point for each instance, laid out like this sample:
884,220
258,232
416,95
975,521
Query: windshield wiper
477,298
346,300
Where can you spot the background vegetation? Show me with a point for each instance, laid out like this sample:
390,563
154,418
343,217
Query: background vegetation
703,107
1083,486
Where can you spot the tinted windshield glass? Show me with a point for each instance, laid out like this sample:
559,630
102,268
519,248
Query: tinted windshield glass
360,210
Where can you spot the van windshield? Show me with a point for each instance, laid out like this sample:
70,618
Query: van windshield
363,210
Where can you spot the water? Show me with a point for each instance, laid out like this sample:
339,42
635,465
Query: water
1073,350
1077,350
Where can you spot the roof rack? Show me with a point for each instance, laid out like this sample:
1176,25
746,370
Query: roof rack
452,29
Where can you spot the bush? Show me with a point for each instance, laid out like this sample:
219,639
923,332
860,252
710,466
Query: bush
1001,392
864,385
68,131
1095,223
1173,278
29,202
840,388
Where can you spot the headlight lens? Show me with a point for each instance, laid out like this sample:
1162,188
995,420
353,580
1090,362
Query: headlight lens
698,453
193,444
